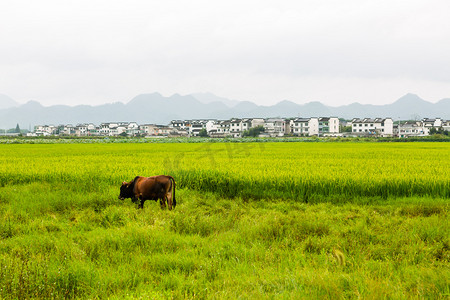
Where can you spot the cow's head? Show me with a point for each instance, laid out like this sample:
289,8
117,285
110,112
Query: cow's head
126,190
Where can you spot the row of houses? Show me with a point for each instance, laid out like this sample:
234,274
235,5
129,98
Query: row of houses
273,127
387,127
104,129
190,128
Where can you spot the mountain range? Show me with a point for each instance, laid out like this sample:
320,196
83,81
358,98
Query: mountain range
157,109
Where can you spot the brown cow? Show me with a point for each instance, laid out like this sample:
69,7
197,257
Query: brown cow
150,188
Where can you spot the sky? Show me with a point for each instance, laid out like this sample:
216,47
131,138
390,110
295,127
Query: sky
333,51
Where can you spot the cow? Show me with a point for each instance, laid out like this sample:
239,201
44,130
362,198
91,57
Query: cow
161,187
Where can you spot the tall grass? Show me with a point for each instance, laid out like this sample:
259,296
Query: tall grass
299,171
210,247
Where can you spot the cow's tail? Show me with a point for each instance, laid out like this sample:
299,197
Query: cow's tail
174,202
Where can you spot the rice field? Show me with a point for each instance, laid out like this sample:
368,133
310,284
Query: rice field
295,171
253,220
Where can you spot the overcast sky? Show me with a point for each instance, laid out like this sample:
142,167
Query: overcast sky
333,51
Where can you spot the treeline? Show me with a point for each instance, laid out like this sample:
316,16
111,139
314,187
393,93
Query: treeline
16,130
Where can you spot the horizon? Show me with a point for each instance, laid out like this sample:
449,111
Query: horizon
337,53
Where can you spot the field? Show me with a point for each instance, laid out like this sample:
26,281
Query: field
253,220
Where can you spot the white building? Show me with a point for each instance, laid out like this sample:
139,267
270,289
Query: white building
427,124
132,129
211,126
411,128
256,122
305,126
107,129
374,127
148,129
328,126
235,127
274,127
87,129
446,125
223,129
300,126
45,130
179,125
68,129
421,128
163,130
195,126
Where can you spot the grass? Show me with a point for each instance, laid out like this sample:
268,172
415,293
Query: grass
210,247
64,233
297,171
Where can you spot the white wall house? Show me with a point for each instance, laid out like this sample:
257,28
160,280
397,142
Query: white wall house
196,126
328,126
148,129
179,125
256,122
45,130
421,128
107,129
163,130
300,126
246,124
274,127
387,127
81,130
87,129
375,127
446,125
427,124
211,126
68,129
133,129
411,128
235,127
313,126
120,129
223,129
305,126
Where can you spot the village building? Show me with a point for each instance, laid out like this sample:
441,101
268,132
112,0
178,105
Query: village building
273,127
372,127
410,129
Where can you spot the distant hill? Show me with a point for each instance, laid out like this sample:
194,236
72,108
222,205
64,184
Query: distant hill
157,109
7,102
211,98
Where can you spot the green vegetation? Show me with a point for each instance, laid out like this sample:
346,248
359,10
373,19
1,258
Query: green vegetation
203,133
253,220
440,131
296,171
253,132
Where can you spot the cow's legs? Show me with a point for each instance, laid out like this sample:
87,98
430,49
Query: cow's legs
141,204
169,201
162,201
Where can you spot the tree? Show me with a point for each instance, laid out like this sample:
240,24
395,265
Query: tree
203,133
346,128
253,132
440,130
17,130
